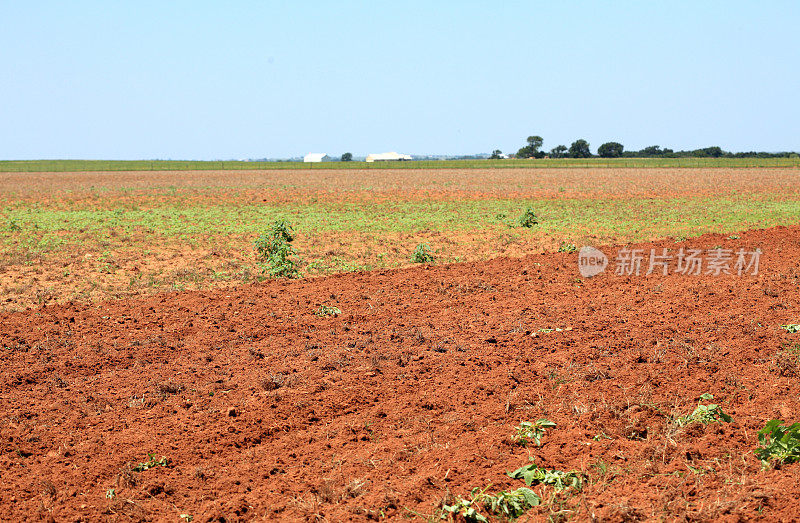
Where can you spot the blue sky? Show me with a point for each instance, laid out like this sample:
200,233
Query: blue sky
224,80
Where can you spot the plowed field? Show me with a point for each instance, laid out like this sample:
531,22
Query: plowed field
409,397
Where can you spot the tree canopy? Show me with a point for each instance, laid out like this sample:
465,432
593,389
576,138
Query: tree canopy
610,150
580,149
532,149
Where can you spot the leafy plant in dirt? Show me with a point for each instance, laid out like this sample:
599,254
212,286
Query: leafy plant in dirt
508,505
512,504
532,474
13,226
567,247
791,328
275,252
779,444
466,509
704,414
528,218
422,254
527,431
327,310
151,462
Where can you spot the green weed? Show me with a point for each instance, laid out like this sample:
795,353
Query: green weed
528,218
512,504
275,252
422,254
567,247
527,431
791,328
779,444
704,414
466,509
507,505
327,310
532,474
151,462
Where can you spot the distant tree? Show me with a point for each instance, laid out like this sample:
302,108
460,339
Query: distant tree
580,149
558,151
535,142
347,157
496,154
653,150
610,150
532,149
713,152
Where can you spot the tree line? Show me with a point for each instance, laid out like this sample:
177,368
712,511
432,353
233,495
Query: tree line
580,149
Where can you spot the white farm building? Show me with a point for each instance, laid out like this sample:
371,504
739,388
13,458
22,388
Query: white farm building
316,157
387,157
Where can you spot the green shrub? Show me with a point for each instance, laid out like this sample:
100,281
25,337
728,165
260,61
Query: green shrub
422,254
275,252
528,218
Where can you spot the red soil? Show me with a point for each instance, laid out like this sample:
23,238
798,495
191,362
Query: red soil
409,396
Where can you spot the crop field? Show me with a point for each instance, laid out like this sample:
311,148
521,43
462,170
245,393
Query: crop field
95,236
437,358
544,163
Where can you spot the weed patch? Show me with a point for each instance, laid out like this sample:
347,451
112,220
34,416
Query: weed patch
327,310
275,252
779,444
704,414
532,474
506,505
151,462
422,254
527,431
528,219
